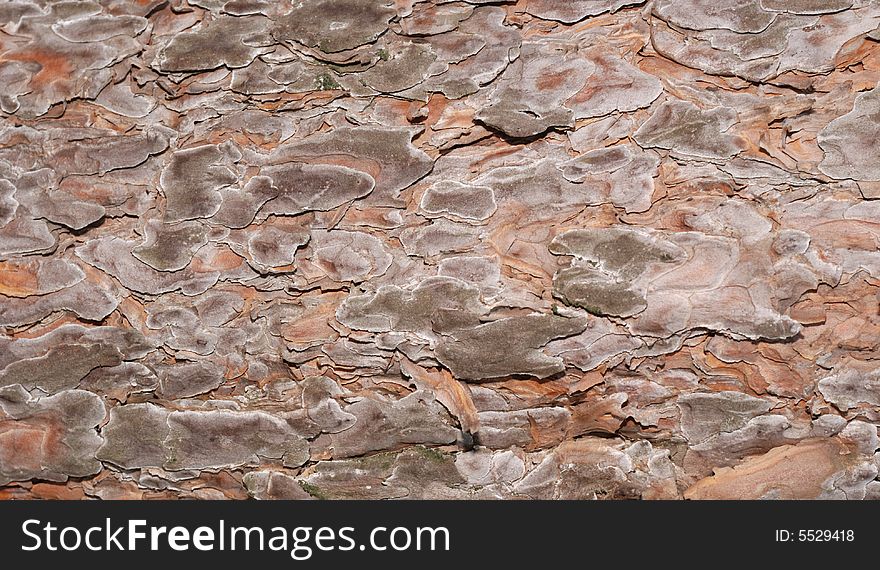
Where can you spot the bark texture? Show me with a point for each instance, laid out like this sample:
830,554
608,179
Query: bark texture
439,249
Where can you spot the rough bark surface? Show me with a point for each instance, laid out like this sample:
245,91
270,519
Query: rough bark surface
439,249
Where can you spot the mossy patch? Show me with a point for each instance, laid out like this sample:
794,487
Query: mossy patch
378,461
313,490
431,454
326,82
593,310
